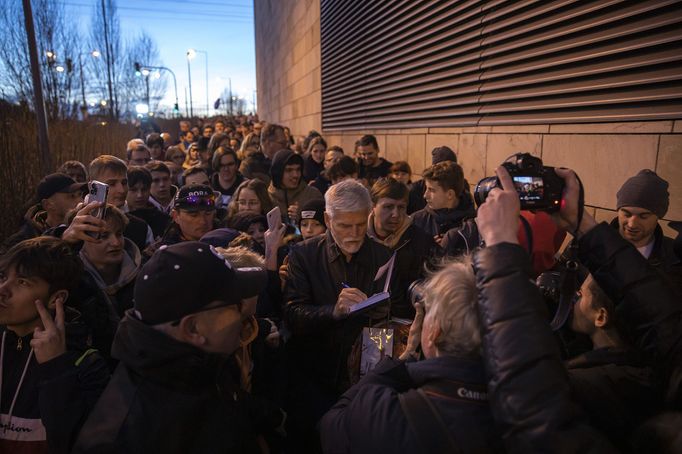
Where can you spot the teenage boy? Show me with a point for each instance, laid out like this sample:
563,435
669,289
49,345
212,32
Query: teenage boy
444,184
46,389
139,192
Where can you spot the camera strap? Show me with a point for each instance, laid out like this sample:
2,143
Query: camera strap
569,275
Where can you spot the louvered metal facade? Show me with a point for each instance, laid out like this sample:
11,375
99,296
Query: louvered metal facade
418,63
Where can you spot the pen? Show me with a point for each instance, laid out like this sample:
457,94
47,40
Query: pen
344,285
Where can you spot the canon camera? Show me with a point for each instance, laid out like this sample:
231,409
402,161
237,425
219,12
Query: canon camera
539,187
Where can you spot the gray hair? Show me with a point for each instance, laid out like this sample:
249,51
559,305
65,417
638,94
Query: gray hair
347,196
451,298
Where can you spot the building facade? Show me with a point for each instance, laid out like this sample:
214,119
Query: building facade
595,86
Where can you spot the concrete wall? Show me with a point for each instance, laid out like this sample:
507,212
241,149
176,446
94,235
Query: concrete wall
604,154
288,63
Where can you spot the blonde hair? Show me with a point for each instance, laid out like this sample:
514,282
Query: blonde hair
451,298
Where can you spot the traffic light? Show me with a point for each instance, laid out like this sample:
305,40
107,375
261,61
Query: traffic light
138,69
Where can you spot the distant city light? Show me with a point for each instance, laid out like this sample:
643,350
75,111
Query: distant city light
141,109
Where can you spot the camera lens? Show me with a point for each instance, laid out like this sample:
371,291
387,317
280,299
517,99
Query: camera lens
483,188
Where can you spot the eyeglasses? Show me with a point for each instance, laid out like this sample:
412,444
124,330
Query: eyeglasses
249,203
228,165
197,200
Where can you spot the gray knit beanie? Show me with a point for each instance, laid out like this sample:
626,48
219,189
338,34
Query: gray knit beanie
645,190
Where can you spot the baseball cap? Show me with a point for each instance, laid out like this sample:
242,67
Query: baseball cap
196,197
58,183
183,278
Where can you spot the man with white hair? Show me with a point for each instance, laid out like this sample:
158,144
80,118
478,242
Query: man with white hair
449,383
328,275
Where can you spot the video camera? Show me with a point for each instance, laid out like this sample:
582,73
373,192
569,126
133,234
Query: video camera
539,187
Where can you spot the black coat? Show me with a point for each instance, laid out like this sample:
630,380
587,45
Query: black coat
647,306
528,390
438,222
615,389
369,418
319,344
157,220
171,397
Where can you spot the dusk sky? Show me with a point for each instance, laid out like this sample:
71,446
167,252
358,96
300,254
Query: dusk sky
223,29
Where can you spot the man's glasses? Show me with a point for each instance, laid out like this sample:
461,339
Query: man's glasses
228,165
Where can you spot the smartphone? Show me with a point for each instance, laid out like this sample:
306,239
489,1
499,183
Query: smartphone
97,192
274,217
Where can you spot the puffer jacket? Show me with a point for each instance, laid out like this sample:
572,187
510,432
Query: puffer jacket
369,417
646,303
282,197
170,397
528,389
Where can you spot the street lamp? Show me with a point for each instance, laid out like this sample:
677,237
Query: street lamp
96,54
191,54
146,71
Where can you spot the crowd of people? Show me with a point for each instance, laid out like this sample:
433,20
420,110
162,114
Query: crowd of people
244,290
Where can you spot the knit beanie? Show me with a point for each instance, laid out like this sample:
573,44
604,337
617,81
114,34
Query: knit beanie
313,209
645,190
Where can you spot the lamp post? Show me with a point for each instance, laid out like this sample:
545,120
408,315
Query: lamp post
189,76
95,53
148,68
192,53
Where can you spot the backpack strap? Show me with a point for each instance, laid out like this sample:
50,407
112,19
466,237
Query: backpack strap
426,423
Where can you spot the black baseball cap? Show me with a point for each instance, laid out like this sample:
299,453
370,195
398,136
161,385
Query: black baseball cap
196,197
57,183
184,278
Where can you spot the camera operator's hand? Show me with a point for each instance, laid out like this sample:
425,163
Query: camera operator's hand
83,223
414,339
348,298
498,217
567,217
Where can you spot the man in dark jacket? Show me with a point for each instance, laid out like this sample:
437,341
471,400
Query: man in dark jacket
173,390
57,193
438,154
528,389
139,184
372,167
641,202
444,209
384,412
390,225
328,275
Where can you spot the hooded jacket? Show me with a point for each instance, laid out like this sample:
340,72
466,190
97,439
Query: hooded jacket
285,197
102,305
170,397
